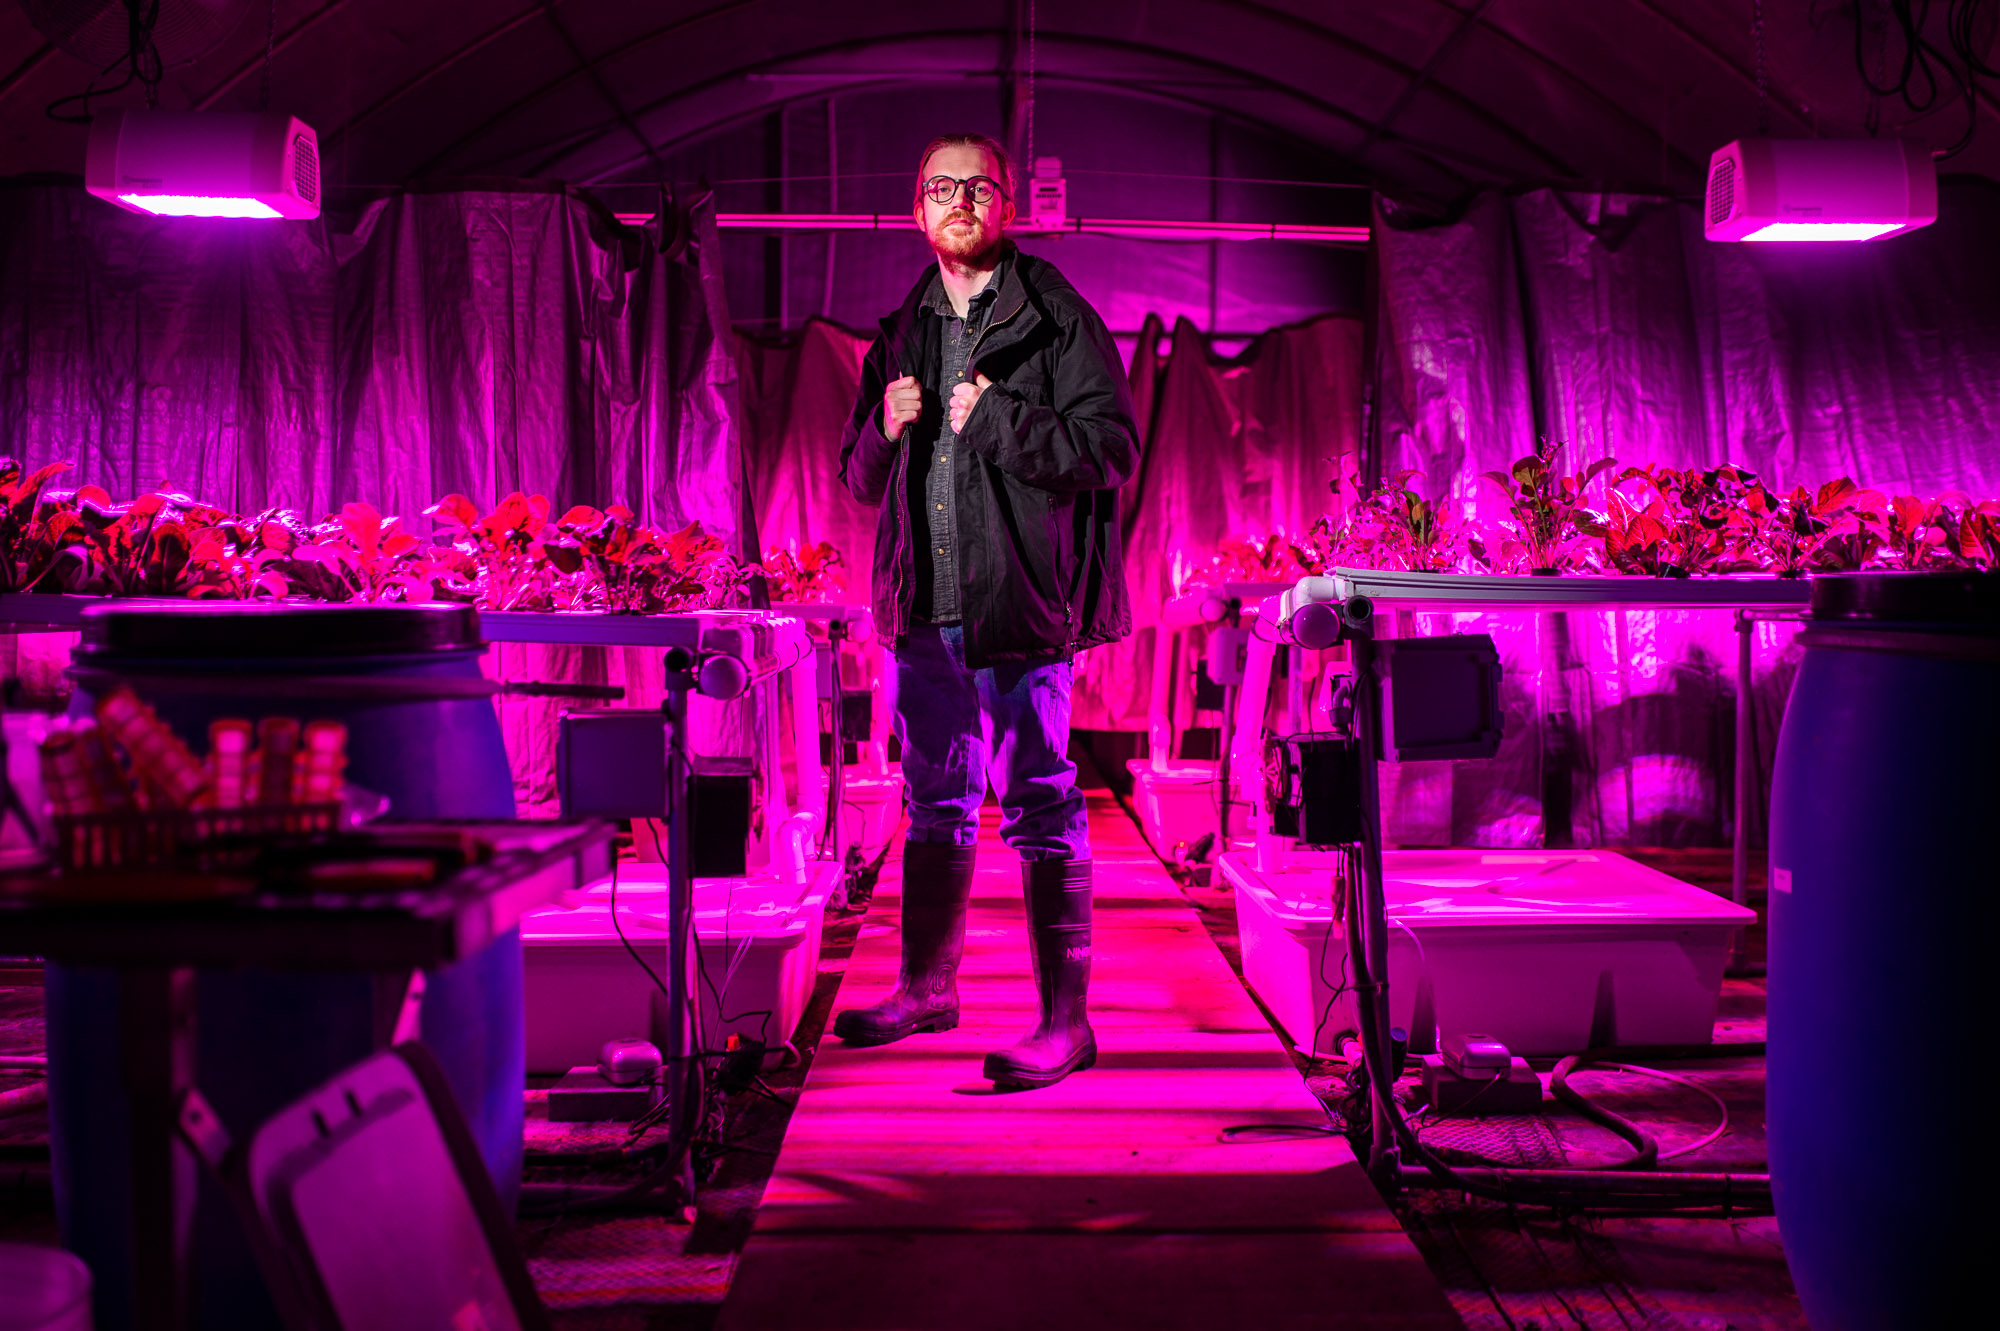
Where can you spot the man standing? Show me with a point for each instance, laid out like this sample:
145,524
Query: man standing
993,428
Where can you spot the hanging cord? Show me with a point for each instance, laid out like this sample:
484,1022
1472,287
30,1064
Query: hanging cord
270,49
141,63
1923,70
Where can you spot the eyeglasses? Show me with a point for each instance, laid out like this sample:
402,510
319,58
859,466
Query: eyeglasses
943,189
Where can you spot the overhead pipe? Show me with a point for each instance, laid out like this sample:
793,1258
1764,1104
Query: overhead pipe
1130,228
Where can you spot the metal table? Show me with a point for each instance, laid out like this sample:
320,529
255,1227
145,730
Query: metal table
156,949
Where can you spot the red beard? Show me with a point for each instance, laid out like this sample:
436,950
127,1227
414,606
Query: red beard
967,245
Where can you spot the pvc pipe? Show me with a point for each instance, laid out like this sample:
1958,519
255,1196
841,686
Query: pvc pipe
1595,1186
792,848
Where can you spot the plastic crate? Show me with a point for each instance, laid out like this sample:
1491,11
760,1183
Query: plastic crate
1551,952
759,942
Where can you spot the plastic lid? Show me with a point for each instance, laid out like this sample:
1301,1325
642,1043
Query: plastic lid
204,630
43,1289
1967,599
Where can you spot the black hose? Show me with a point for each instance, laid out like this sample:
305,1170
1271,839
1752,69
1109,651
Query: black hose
1645,1150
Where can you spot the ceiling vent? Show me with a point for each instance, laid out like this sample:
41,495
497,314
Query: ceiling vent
204,163
1819,189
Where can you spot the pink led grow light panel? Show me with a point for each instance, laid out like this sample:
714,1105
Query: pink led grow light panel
198,205
1823,231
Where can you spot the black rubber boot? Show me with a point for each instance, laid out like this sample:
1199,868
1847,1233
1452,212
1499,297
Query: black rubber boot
1058,893
937,884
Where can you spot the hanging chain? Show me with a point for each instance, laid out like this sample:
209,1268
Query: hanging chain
1031,88
270,49
1879,29
1763,69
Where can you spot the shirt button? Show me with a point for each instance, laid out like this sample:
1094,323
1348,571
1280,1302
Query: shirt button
940,508
940,549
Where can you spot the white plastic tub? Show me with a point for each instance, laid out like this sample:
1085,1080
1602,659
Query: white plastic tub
759,943
1551,952
1176,804
871,808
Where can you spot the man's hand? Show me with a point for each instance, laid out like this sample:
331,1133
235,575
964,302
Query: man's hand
964,398
902,403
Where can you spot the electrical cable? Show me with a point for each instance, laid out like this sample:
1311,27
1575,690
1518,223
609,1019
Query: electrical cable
1922,62
141,61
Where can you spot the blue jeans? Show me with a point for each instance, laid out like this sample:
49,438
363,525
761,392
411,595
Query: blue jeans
1008,724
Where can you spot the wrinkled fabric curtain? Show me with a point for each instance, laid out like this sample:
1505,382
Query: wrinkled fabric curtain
1233,446
146,351
1607,322
481,341
474,340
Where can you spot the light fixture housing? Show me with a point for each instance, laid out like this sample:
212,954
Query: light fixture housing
204,163
1818,189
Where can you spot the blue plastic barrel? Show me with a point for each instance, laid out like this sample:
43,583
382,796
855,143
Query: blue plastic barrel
421,730
1885,819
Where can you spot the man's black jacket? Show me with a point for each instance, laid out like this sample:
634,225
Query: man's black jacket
1036,485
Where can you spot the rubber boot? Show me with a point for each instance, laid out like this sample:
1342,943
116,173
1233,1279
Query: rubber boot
1058,893
937,884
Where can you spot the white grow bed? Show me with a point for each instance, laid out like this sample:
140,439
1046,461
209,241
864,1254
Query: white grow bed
1551,952
1176,804
759,939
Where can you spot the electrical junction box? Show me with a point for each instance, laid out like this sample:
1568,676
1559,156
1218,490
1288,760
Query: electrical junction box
1048,196
1313,785
1818,189
586,1095
1447,1092
1440,698
611,762
204,163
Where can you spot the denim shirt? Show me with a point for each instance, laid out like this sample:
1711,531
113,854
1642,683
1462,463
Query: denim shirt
939,517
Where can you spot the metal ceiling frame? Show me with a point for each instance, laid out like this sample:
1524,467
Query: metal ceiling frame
1504,127
1240,77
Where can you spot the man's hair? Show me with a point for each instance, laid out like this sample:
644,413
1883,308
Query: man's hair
943,141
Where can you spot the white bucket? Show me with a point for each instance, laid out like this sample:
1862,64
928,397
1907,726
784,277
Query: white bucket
43,1289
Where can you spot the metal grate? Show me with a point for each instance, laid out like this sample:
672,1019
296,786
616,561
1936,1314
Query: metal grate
1722,191
305,168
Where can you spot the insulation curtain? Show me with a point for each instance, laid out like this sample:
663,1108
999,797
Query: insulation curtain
1234,447
474,340
1606,321
481,341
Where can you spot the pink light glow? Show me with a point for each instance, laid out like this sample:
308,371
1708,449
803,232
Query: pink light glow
1823,230
198,205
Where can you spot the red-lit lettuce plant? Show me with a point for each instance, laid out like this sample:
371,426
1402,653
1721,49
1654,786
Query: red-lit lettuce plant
1549,526
1397,528
1835,528
805,574
1686,521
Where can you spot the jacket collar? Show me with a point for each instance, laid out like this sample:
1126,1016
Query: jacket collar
899,330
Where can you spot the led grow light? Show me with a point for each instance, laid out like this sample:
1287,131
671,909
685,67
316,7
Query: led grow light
1818,190
204,164
1822,231
196,205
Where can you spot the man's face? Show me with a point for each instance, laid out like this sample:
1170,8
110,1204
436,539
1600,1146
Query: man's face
960,229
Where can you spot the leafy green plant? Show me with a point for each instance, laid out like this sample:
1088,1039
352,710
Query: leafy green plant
27,552
359,555
240,559
1692,522
1836,528
1397,528
1549,528
804,574
1271,558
